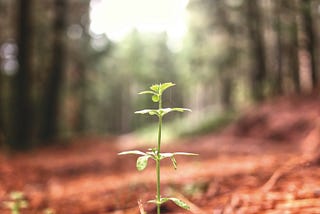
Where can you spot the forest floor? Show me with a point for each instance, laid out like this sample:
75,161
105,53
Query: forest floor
87,175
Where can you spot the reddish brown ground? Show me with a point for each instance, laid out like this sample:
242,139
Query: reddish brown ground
88,176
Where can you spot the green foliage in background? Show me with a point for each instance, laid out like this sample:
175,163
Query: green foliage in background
211,124
234,52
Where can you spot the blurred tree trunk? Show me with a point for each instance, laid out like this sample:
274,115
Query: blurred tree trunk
1,83
82,97
1,108
278,89
55,78
294,54
81,59
258,72
229,62
21,103
1,73
226,92
306,12
294,59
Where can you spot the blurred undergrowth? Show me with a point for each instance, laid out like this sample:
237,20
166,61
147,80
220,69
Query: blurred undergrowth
188,126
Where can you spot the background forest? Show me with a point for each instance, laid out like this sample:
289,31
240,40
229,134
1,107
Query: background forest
58,79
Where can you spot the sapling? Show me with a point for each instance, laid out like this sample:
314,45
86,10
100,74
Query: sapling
156,93
16,203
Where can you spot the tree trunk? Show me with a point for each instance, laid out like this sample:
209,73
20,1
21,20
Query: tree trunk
278,89
1,109
21,105
1,73
294,55
52,92
293,47
258,72
306,9
80,126
226,93
230,61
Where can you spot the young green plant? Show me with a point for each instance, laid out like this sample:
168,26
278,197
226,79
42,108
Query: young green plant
156,93
16,203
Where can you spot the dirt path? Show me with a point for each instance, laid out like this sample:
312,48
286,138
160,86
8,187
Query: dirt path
87,176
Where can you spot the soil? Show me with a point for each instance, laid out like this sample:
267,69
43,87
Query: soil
87,176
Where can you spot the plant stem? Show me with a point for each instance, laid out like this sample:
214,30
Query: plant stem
158,185
158,159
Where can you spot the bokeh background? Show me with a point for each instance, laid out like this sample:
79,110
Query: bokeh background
74,67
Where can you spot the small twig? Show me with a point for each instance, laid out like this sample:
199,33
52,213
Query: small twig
278,173
290,165
310,154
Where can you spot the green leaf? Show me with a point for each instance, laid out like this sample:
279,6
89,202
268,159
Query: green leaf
170,155
165,155
154,150
162,200
180,203
165,111
155,88
166,85
142,162
146,92
181,109
160,112
155,98
152,201
24,204
148,111
16,195
174,162
185,153
132,152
